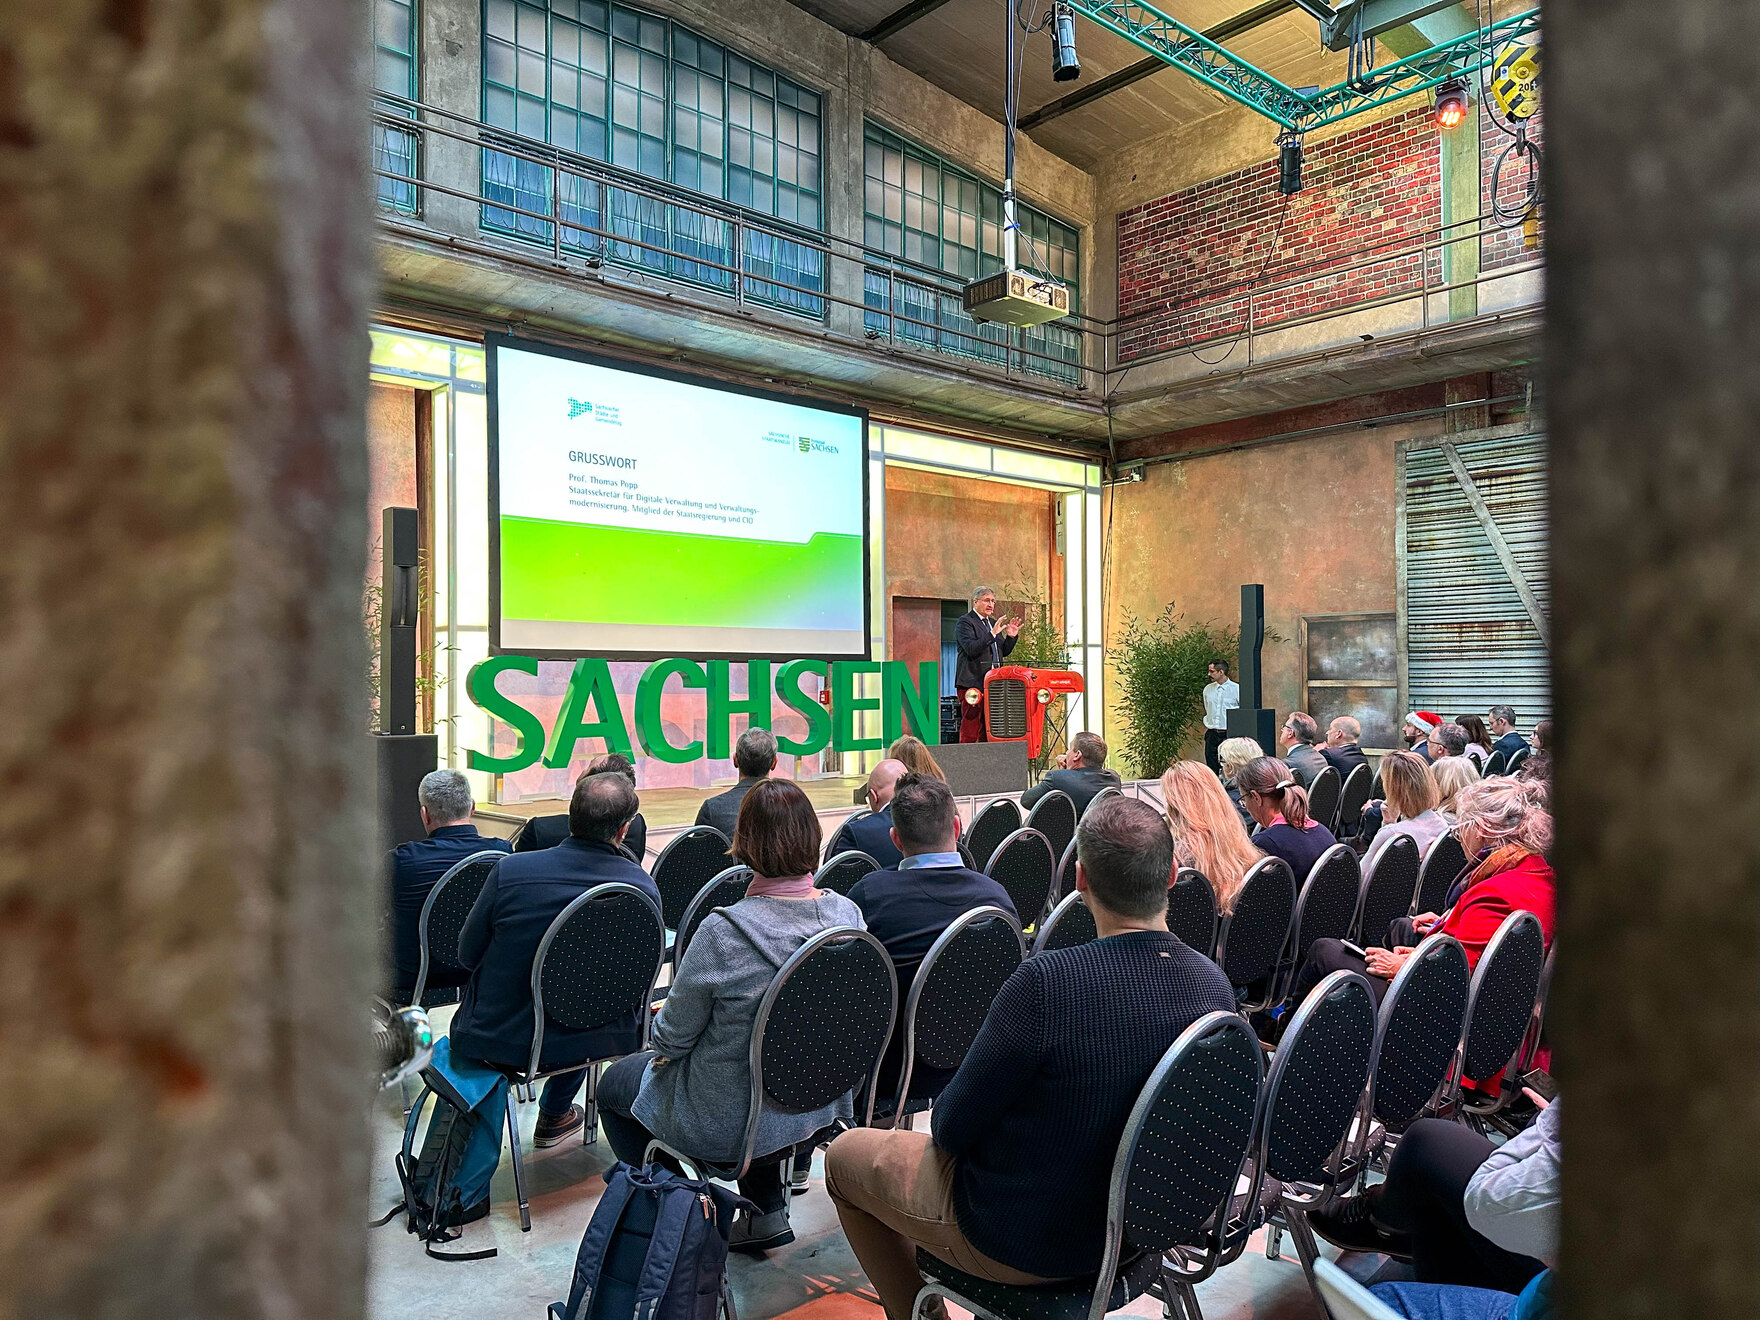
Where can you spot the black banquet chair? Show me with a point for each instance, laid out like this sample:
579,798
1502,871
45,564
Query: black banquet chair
951,996
1500,1005
1351,801
1110,791
1442,866
685,865
1070,924
724,890
444,911
1517,759
1066,875
1388,890
1178,1158
1253,935
841,872
1191,910
842,840
1324,796
1325,907
598,962
989,828
1023,865
1497,764
1054,816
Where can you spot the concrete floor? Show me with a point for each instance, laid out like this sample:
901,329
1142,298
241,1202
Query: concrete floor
814,1278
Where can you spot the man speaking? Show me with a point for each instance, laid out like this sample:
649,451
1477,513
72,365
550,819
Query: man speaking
983,641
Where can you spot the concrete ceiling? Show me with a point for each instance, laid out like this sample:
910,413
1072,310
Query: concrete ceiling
959,47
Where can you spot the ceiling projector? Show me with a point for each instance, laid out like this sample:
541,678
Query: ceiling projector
1016,297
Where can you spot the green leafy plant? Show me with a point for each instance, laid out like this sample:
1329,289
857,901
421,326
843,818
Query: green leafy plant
1041,645
1159,667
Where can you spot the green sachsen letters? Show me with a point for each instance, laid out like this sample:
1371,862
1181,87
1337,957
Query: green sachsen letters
590,682
722,706
480,686
650,728
788,687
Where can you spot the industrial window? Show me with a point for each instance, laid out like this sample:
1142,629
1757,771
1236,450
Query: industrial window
653,98
394,72
928,213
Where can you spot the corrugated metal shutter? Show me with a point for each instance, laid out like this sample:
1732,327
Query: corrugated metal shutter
1470,642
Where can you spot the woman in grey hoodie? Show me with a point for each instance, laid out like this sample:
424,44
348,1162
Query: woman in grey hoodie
692,1090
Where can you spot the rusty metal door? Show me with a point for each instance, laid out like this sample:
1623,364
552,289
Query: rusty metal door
1474,598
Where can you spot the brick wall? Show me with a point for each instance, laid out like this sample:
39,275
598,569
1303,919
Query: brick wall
1186,261
1506,247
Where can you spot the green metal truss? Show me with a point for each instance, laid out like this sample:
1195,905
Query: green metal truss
1211,64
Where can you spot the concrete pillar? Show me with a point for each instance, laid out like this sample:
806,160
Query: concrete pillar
185,865
1654,330
450,52
846,109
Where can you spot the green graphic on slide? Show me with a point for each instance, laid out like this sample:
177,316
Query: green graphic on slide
569,572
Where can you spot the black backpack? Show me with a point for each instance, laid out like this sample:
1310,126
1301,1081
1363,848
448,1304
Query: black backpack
656,1248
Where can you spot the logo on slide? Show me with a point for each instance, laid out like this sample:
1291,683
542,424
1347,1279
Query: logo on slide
578,408
806,445
812,446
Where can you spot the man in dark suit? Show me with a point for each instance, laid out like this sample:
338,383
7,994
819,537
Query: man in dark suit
1341,750
1304,759
446,805
1416,730
872,833
908,908
548,831
754,757
522,896
1081,773
1503,729
983,640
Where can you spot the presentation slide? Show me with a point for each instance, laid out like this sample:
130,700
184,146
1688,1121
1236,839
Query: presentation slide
639,515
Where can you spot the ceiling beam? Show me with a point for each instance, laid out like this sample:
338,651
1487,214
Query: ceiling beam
1244,21
899,19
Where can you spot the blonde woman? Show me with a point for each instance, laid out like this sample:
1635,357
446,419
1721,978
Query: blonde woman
1207,834
1409,807
1452,774
1233,756
914,752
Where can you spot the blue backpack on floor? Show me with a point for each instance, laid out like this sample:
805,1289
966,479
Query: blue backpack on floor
656,1249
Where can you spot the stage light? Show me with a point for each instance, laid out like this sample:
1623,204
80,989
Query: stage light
1065,67
1289,164
1451,104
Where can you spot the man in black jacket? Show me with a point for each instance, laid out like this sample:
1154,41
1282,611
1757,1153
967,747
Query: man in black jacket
522,896
548,831
754,757
872,833
983,641
1081,774
1341,750
1012,1185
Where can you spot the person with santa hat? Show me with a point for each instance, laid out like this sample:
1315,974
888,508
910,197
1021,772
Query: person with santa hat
1416,731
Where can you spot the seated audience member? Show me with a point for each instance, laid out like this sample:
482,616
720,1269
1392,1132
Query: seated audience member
1478,740
1300,737
1452,774
1537,771
1543,736
1409,807
1470,1215
1280,805
872,833
1506,833
548,831
908,908
1341,750
1503,729
693,1088
1415,731
522,896
917,757
1446,739
754,757
446,805
1080,772
1233,754
1207,834
1011,1182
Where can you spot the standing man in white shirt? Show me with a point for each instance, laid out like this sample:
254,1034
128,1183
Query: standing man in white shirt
1221,695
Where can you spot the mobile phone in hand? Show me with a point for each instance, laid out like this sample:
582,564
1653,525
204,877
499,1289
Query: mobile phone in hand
1354,949
1542,1084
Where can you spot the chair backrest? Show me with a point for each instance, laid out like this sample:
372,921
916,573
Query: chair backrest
843,870
685,865
1536,1032
1253,935
822,1025
989,828
1416,1031
1186,1139
1516,758
1108,791
1328,901
1387,891
954,988
1323,797
1191,910
1023,865
1497,764
723,891
1066,875
1442,867
1054,816
448,903
1345,1298
1069,924
1376,793
842,840
1317,1079
1352,797
597,962
1500,1001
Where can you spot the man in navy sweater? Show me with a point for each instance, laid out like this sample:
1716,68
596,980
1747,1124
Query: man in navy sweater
907,909
522,896
1012,1185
